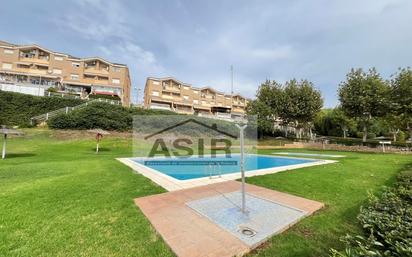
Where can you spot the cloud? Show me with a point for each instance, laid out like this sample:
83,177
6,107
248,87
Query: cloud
106,25
276,53
95,19
197,41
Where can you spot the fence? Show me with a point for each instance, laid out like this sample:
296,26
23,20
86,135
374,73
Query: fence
27,89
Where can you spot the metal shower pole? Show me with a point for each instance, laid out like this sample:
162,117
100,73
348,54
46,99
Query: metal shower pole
242,163
3,153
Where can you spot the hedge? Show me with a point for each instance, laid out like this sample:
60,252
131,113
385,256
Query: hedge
16,109
387,223
112,117
101,115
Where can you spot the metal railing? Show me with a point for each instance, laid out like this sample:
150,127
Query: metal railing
65,110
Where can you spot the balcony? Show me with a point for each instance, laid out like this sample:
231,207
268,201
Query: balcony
238,103
160,106
32,71
238,110
183,110
168,96
171,89
201,107
94,71
34,60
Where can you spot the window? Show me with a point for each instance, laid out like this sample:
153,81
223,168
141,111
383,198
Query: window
155,93
186,97
116,81
74,77
7,66
57,71
58,58
116,69
156,83
195,101
75,64
8,51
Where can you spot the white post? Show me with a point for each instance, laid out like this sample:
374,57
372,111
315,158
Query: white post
97,147
242,168
47,116
3,154
67,109
383,147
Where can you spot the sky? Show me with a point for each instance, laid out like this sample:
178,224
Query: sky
197,41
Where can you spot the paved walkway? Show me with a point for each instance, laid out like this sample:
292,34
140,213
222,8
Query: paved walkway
189,234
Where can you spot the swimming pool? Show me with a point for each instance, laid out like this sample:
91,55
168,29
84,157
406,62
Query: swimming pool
176,173
196,167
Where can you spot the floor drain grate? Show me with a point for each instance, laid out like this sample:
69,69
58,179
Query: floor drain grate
247,231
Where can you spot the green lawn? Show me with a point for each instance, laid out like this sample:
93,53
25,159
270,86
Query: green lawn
58,198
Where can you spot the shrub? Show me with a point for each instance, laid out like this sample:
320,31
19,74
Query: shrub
113,117
401,136
17,109
95,115
52,89
110,97
387,223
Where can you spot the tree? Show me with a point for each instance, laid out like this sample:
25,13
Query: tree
401,100
334,122
266,105
343,122
301,103
364,95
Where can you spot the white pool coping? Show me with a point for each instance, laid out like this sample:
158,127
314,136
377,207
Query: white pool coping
171,184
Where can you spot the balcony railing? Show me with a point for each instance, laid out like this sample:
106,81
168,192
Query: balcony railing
171,89
93,70
34,60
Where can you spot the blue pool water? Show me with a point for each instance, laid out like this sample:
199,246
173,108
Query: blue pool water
195,167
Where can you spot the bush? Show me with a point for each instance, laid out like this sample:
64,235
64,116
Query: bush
114,117
17,109
401,137
110,97
95,115
387,223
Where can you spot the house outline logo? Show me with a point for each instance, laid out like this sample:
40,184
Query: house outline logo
212,127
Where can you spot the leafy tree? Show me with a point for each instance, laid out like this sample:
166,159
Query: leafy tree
322,122
266,106
334,122
342,121
301,103
401,99
364,95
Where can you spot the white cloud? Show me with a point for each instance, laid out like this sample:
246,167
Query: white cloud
276,53
106,25
95,19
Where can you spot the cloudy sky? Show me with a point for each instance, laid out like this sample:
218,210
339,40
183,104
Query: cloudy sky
197,41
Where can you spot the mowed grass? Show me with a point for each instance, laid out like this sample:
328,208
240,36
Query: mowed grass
59,198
